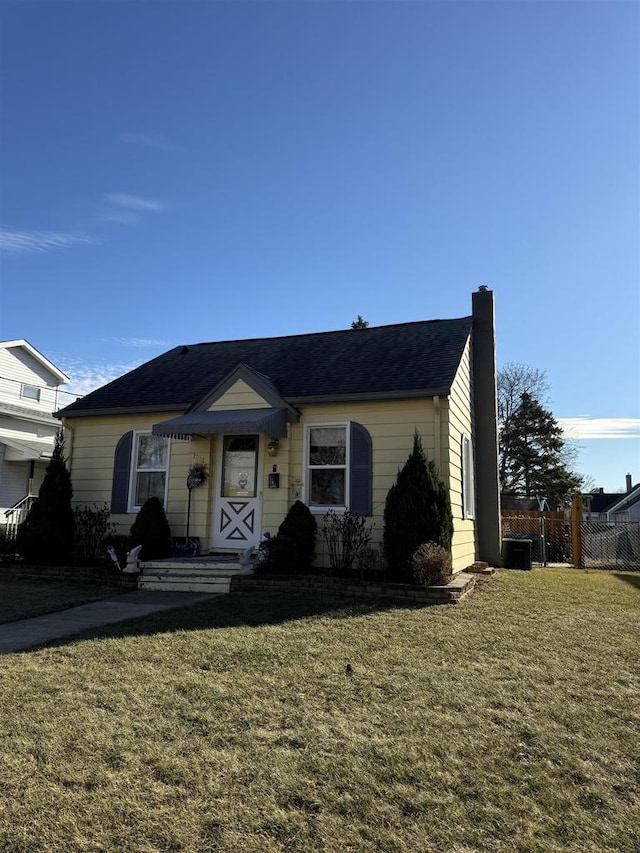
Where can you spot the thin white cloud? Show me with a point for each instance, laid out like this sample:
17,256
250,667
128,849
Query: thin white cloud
122,217
597,428
144,140
135,202
39,241
87,377
139,343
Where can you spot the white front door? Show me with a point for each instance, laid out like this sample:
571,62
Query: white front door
238,504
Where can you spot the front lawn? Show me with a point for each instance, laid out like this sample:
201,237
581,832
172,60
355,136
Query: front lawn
507,723
21,599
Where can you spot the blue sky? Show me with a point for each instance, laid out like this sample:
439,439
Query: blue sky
188,171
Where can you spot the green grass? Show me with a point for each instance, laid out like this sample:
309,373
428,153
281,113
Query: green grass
21,599
508,723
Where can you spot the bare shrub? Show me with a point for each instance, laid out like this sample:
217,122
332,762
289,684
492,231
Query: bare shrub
431,564
346,534
93,526
370,564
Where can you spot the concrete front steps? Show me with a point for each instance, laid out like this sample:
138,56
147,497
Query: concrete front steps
197,574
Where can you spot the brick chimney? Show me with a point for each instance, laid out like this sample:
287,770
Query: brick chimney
629,483
485,407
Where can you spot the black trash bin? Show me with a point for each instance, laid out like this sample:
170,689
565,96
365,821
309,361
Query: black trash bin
516,553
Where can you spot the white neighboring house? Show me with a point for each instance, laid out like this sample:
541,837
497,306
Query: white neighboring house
627,508
29,391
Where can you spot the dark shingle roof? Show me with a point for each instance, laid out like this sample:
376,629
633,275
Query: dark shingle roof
601,501
407,357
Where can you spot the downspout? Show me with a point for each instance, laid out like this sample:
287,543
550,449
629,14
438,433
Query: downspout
68,431
437,439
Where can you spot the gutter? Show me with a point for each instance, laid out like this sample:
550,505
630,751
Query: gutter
437,437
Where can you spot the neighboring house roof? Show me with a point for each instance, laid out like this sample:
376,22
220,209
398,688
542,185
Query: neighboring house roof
26,449
27,414
625,501
55,371
403,360
602,501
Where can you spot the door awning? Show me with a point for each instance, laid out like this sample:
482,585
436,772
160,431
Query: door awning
240,421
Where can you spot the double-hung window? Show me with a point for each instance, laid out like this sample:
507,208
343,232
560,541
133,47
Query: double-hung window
149,469
327,463
468,484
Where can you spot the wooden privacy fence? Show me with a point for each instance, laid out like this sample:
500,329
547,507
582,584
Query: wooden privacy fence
549,533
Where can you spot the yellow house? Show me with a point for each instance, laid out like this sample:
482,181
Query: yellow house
326,418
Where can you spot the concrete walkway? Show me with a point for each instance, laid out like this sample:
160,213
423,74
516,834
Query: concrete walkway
27,633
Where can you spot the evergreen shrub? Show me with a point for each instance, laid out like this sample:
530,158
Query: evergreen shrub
417,510
151,530
292,549
46,535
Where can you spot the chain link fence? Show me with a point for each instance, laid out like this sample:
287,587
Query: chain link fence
611,545
549,537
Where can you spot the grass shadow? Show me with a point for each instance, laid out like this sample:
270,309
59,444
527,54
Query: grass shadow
628,577
236,611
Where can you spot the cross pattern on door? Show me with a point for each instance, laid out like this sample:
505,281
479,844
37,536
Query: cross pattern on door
248,521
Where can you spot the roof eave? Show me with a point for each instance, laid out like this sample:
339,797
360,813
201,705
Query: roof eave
120,410
364,396
625,501
361,397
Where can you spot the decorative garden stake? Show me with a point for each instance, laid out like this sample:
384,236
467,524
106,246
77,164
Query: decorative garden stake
196,476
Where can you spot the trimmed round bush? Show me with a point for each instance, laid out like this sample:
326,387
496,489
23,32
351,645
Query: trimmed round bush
151,530
291,551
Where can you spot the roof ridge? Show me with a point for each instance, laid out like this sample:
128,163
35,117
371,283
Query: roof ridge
327,332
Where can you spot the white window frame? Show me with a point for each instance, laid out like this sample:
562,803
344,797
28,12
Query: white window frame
468,478
324,509
34,398
133,470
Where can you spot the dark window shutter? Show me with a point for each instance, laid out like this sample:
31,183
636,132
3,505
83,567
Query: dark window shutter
121,469
361,480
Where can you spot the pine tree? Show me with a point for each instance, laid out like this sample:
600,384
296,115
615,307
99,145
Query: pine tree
46,537
359,323
532,447
417,510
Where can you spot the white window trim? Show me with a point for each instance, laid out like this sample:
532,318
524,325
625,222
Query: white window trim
467,473
26,396
323,510
133,470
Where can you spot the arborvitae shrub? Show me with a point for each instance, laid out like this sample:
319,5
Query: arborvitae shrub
292,549
151,530
417,510
431,565
46,536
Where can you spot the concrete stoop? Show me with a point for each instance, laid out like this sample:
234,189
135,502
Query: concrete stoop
206,575
479,568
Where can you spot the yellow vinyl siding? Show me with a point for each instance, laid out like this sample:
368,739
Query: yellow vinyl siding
94,444
458,421
275,502
391,425
239,396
